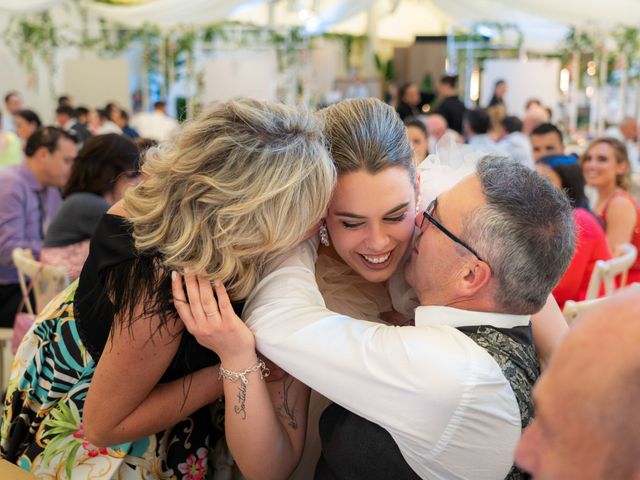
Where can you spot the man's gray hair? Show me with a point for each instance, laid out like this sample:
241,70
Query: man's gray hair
525,232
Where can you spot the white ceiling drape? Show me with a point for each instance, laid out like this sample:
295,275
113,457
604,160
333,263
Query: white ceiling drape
603,13
170,13
27,6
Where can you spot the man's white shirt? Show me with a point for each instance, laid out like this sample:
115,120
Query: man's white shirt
443,398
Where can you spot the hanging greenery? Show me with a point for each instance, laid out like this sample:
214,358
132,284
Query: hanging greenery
33,38
351,43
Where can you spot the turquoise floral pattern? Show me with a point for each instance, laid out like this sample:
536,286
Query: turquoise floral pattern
42,429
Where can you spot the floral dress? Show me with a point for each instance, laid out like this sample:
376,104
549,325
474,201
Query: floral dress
42,427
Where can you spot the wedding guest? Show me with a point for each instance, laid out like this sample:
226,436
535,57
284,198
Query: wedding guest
66,118
449,104
104,169
156,125
409,96
606,168
418,137
236,187
591,242
546,139
515,143
29,200
27,122
499,91
10,148
586,423
12,105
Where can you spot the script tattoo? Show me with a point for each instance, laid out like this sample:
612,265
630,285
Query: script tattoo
242,398
286,411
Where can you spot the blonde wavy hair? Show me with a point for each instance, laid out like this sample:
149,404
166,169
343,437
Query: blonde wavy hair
236,187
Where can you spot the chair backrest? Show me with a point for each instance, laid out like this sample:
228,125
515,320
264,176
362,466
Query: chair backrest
46,280
572,308
606,271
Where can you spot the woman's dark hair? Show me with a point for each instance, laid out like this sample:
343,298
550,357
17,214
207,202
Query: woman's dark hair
30,116
571,176
100,162
419,124
402,91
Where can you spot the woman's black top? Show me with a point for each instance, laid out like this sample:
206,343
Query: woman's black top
113,252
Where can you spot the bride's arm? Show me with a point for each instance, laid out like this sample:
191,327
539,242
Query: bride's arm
548,328
265,423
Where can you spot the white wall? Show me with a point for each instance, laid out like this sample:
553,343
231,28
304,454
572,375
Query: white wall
525,80
233,74
93,81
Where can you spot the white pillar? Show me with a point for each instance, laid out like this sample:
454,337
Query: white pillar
574,92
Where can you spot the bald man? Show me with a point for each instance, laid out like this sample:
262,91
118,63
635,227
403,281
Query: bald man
587,424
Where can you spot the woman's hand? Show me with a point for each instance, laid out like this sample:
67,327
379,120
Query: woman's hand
213,323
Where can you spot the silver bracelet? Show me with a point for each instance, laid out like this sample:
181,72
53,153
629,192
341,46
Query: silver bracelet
234,376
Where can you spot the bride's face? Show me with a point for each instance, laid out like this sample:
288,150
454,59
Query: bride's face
371,220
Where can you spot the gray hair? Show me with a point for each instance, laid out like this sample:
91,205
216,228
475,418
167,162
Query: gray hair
367,134
525,232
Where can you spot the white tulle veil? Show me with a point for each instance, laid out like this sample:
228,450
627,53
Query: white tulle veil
447,166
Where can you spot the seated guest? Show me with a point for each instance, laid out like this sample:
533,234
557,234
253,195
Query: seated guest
476,126
105,167
29,199
83,116
13,104
448,397
591,241
546,139
121,118
100,123
418,137
535,116
409,95
436,127
606,168
515,143
156,125
587,425
10,148
629,132
66,118
449,104
27,122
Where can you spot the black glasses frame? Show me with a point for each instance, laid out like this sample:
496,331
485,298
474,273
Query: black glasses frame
426,215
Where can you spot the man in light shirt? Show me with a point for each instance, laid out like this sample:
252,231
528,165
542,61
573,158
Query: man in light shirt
449,397
156,125
13,104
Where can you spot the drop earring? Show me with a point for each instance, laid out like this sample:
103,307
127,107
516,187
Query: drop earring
324,234
418,202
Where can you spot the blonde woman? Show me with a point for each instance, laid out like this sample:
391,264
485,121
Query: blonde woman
606,168
108,384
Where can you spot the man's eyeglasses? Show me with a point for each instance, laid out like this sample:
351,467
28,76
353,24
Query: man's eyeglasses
428,215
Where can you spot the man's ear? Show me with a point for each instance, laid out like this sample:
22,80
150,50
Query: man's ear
476,275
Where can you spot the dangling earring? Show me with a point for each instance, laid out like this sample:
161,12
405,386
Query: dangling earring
418,201
324,234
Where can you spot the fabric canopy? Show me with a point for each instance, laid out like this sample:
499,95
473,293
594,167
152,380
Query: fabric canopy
535,14
590,13
28,6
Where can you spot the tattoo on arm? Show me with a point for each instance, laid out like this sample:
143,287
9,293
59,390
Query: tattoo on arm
241,408
285,410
